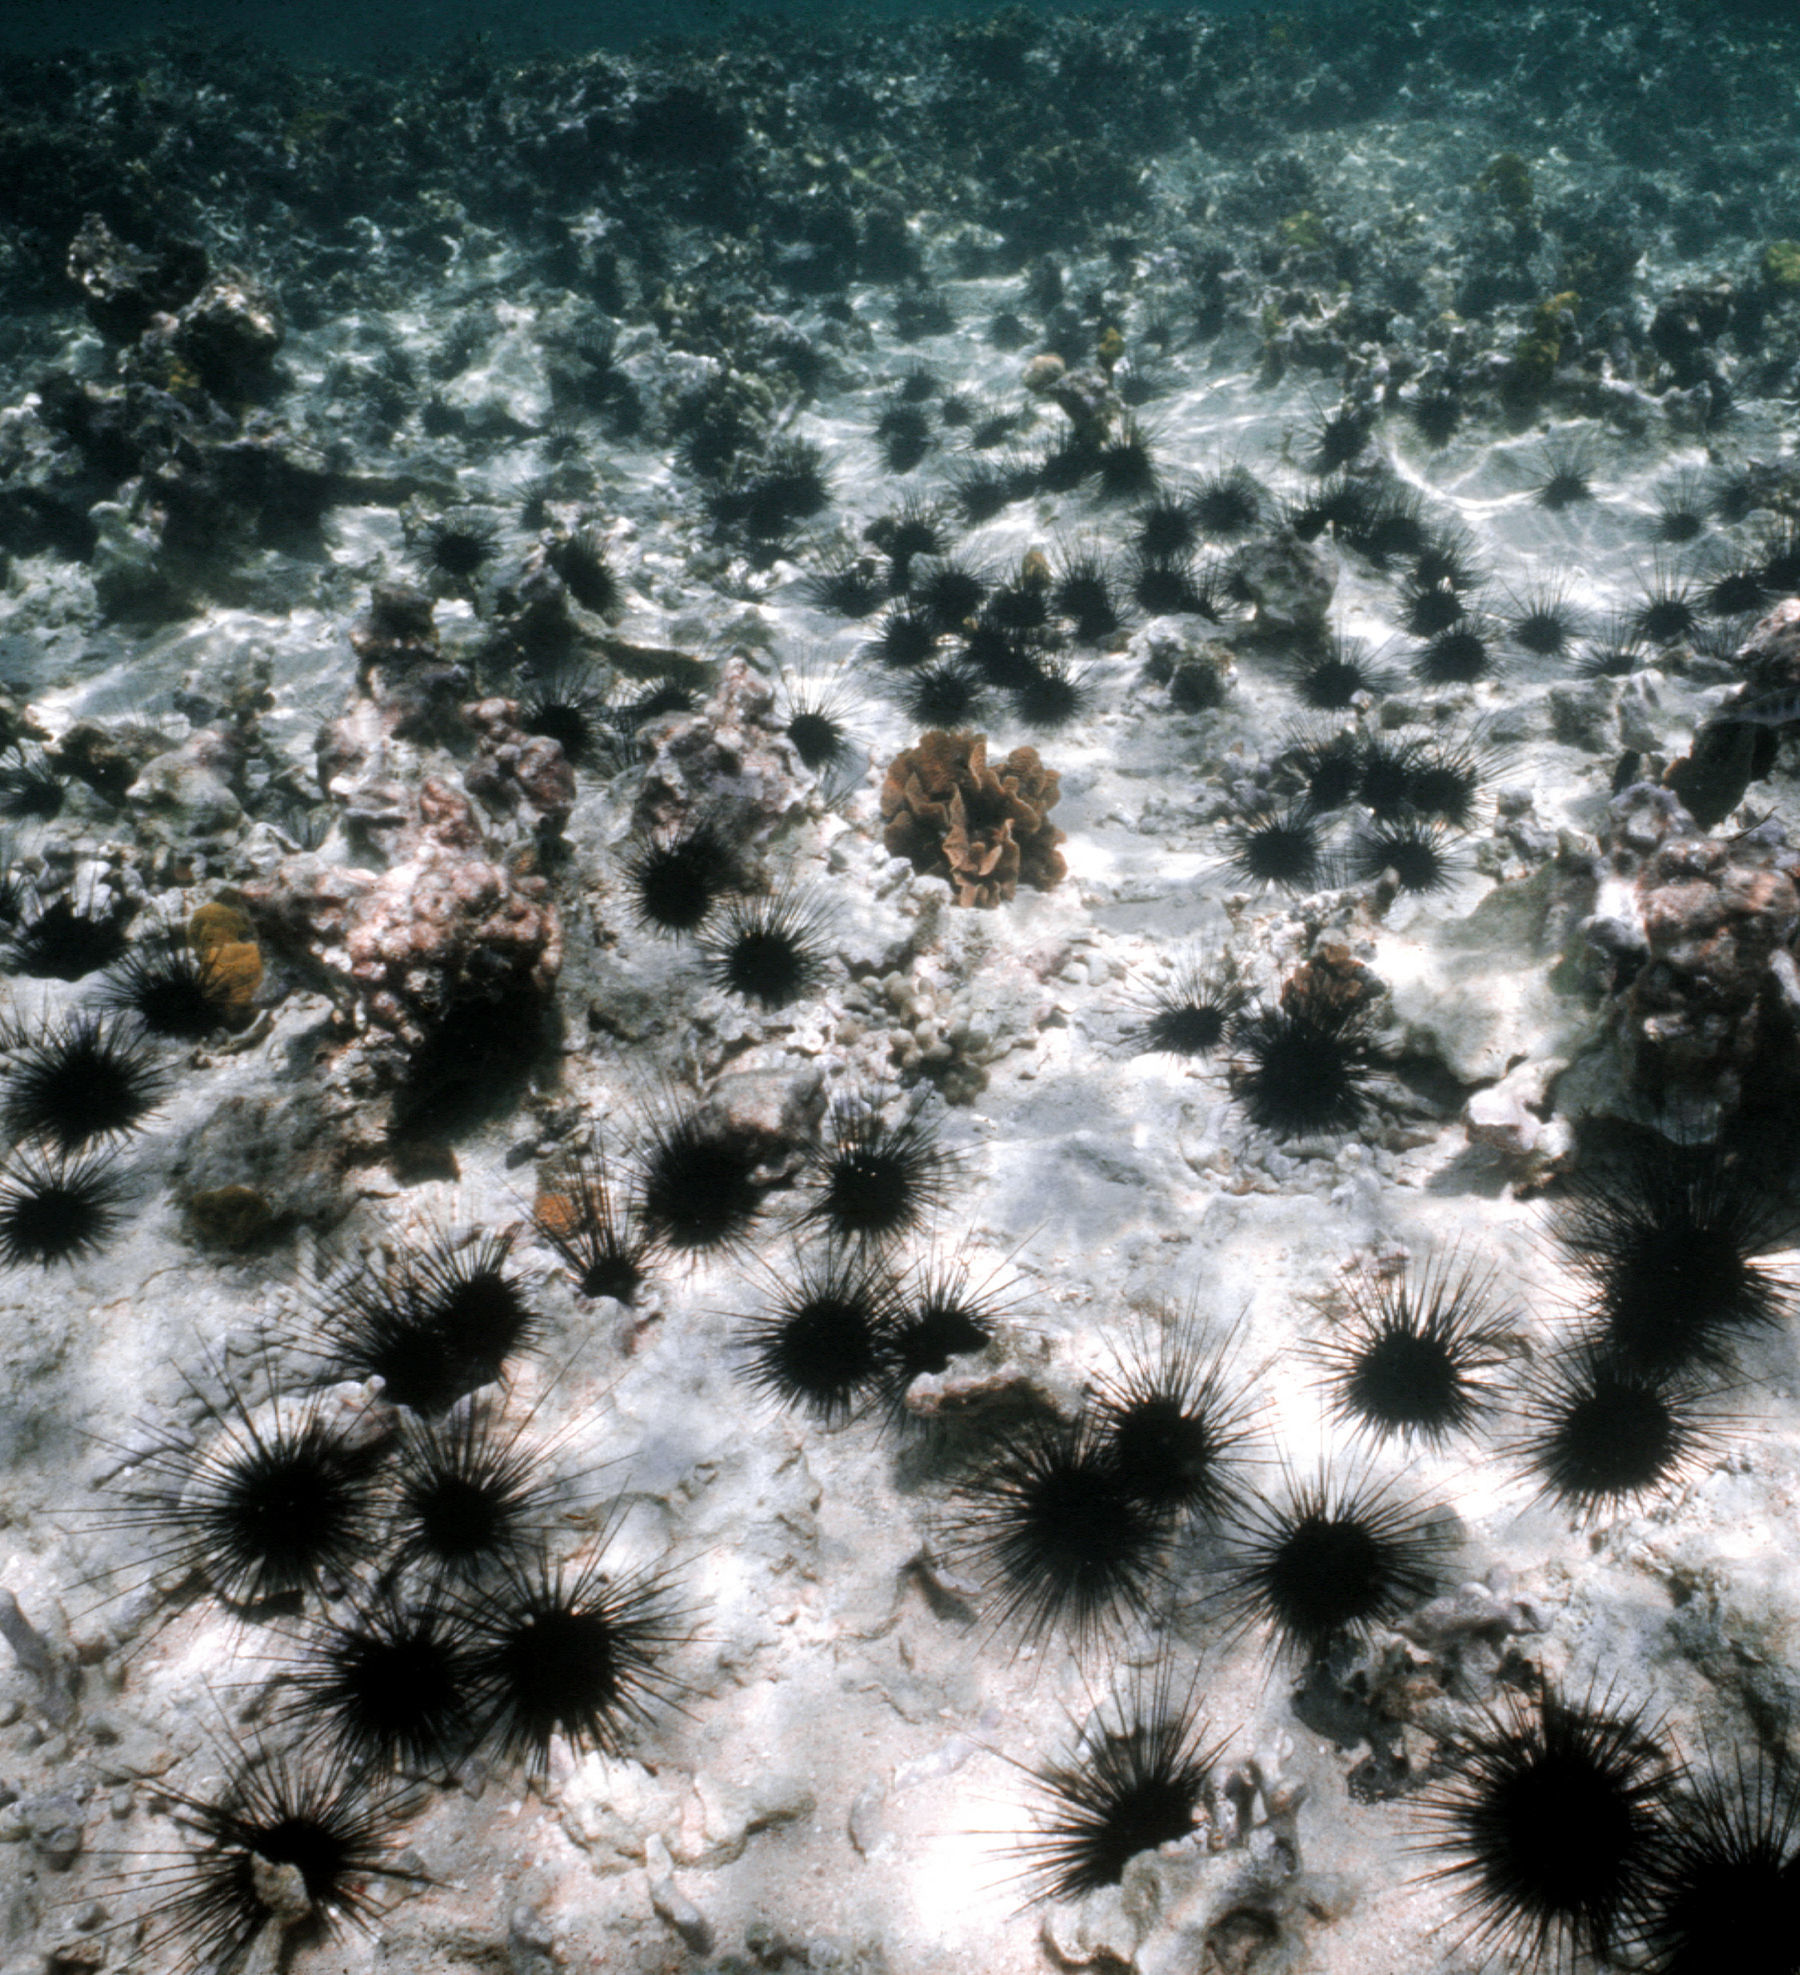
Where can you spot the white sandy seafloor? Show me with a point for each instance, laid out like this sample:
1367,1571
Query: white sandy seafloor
839,1784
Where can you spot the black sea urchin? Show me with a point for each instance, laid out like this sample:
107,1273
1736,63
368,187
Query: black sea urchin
459,546
1601,1433
853,586
1084,592
1125,464
815,724
1329,677
1669,609
1057,1536
1050,695
948,695
1327,1562
938,1316
273,1502
907,636
1394,531
1445,779
1735,588
1419,855
1067,462
467,1494
982,489
577,1654
564,705
1175,1420
1166,528
1280,847
675,877
1228,504
173,988
286,1840
1728,1869
1543,621
903,432
1436,412
29,788
700,1183
581,560
1447,561
1459,656
948,592
1567,481
63,941
1668,1239
824,1341
434,1324
1412,1357
1683,510
1349,504
874,1181
1330,765
1132,1783
1428,610
1384,783
1335,438
83,1082
581,1217
1302,1071
1551,1825
913,530
57,1210
1169,586
769,950
1192,1014
387,1685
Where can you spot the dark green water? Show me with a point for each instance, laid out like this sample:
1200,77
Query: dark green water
405,31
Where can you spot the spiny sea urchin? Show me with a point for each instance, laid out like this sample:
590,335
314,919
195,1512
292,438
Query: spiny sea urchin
273,1502
1303,1070
468,1493
434,1323
1669,1241
82,1082
386,1684
1327,1561
768,950
287,1839
675,877
580,1214
1412,1358
579,1654
1176,1419
1057,1536
875,1181
1192,1014
823,1342
1551,1825
1133,1782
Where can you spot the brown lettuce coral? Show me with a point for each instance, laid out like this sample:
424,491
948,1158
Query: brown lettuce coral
985,829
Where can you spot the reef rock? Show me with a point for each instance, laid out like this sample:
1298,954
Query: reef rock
440,925
1290,583
725,757
1700,931
514,767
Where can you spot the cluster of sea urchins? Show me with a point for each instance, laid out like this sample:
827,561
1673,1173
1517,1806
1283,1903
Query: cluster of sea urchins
455,1632
76,1087
402,1548
1560,1822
